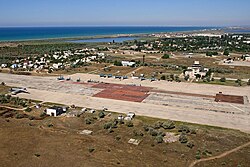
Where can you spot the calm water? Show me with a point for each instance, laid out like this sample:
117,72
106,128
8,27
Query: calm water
120,39
29,33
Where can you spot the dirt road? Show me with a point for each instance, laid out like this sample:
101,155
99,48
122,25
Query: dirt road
219,156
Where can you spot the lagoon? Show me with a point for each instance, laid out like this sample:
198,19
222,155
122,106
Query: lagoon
101,40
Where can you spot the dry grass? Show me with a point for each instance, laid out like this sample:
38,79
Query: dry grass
33,143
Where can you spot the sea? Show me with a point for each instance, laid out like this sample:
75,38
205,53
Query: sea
36,33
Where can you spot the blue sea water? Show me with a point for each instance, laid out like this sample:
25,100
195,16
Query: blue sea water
33,33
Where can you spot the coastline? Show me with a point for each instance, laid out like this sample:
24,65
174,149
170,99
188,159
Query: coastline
60,39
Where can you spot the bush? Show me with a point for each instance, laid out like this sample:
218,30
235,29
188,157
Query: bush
88,121
238,81
91,149
226,52
110,130
190,144
50,125
107,125
19,116
183,138
183,128
159,139
101,114
165,56
28,109
198,156
138,133
146,127
118,138
192,131
223,79
117,63
129,124
31,117
163,77
157,125
43,114
248,82
168,125
153,132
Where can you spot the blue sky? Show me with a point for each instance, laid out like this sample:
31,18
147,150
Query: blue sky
124,12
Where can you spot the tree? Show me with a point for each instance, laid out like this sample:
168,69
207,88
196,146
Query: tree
163,77
186,77
183,138
238,81
168,125
223,79
165,56
248,82
88,121
117,63
129,124
159,139
226,52
101,114
197,76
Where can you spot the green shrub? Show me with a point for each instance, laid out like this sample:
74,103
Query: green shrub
157,125
168,125
223,79
43,114
198,155
138,133
118,138
159,139
129,124
101,114
91,149
19,116
153,132
165,56
146,127
190,144
183,128
31,117
107,125
110,130
183,138
88,121
28,109
50,125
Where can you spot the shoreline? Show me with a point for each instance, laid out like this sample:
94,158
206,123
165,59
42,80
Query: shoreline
60,39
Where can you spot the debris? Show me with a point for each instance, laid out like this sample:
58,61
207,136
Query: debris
86,132
170,137
134,141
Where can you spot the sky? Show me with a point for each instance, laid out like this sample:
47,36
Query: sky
124,13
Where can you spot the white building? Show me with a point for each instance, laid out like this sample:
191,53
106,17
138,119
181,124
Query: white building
54,111
196,69
128,63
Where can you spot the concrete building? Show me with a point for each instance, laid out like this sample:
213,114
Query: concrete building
54,111
127,63
196,69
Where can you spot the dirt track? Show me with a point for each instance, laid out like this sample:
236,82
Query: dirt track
219,156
